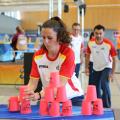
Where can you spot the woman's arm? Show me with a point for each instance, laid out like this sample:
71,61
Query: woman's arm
111,76
33,82
32,85
63,80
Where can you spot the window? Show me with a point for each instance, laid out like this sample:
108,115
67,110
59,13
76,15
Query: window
13,14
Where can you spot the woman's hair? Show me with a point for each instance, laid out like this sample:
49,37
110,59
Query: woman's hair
19,29
59,20
91,35
59,27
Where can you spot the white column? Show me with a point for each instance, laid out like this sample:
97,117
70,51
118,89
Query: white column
51,8
60,8
82,33
78,14
82,22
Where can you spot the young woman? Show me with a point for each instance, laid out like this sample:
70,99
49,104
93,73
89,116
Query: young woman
55,55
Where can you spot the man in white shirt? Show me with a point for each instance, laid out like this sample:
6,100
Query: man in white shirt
104,60
77,46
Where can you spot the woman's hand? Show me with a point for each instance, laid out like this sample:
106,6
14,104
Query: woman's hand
31,95
87,71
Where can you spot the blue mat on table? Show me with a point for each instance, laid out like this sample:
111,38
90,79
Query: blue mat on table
5,114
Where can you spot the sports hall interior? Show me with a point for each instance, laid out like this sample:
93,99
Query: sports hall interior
32,14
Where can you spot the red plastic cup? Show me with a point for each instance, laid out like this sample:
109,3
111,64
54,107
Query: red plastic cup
22,92
91,94
61,94
25,107
43,109
14,105
49,94
67,108
98,107
86,108
54,79
54,109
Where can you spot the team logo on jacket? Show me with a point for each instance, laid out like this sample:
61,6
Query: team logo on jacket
43,66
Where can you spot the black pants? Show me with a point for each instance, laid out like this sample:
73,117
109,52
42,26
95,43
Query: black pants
77,101
101,81
90,82
77,70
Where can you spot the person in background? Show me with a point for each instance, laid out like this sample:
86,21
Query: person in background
55,55
19,31
77,46
104,60
118,47
91,64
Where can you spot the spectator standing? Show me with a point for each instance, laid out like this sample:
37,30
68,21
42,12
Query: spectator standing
77,46
118,47
104,60
91,64
19,31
